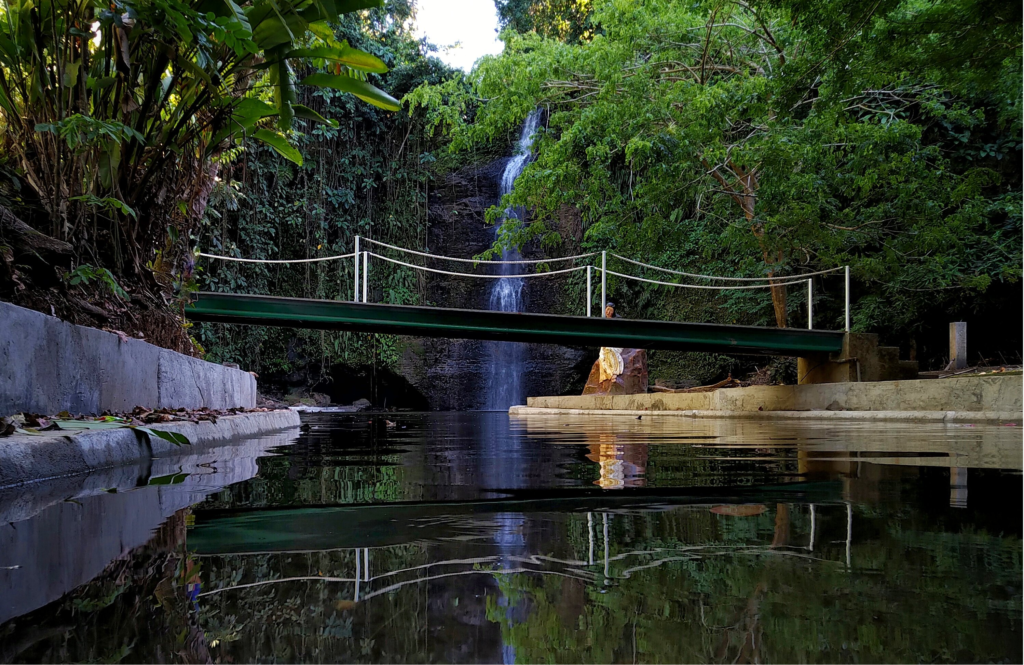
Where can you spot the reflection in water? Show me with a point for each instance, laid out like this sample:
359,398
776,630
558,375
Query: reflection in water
461,539
620,466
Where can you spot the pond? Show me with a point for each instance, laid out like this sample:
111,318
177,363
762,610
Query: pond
476,537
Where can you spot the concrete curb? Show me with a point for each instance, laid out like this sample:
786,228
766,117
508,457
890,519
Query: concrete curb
25,458
910,416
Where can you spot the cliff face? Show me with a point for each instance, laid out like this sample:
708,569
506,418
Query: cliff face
454,374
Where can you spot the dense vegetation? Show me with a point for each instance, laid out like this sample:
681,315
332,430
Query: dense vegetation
769,137
772,138
118,116
370,176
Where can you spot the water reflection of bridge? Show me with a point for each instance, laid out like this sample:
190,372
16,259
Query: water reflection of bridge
598,568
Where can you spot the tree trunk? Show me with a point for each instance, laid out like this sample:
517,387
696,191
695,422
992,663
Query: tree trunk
778,293
24,239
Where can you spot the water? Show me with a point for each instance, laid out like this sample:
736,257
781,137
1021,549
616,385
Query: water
508,359
473,537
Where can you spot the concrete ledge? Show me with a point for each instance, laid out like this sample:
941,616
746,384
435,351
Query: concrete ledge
26,458
1002,394
913,416
48,366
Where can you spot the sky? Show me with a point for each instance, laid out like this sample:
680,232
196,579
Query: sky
471,23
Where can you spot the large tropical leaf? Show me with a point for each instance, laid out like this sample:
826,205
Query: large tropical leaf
360,89
344,54
309,114
283,85
279,143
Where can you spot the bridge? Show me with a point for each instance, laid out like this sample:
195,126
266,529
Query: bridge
509,326
358,315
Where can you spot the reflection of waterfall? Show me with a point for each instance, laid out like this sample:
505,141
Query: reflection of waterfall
508,359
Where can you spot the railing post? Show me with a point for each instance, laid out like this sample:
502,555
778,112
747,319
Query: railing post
847,298
590,297
604,281
366,273
810,305
359,574
355,293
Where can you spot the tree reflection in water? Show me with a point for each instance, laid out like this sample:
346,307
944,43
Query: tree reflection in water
604,551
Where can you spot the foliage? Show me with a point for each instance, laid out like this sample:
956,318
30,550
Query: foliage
118,114
366,174
85,273
774,138
565,20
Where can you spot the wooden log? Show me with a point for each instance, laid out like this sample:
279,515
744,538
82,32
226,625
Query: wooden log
24,239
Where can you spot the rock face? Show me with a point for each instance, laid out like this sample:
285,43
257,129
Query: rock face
631,381
454,374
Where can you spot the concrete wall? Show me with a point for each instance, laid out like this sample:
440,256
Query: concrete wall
48,366
56,535
962,394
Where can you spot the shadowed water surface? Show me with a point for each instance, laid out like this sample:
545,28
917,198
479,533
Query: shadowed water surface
474,537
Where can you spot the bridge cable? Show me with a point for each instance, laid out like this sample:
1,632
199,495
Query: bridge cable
452,258
468,274
240,260
707,286
729,279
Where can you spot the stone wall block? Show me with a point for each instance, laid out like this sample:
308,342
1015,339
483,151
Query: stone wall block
48,366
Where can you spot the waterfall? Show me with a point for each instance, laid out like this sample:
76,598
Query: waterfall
508,359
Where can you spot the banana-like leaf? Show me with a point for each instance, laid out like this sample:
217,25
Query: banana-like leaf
360,89
309,114
250,107
239,15
243,118
284,88
323,30
279,143
345,54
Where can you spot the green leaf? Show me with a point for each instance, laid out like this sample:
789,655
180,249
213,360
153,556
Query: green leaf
344,54
239,15
280,79
309,114
322,30
360,89
71,73
279,143
174,437
172,479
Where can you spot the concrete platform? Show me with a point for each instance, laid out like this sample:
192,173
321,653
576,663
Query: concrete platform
28,458
983,398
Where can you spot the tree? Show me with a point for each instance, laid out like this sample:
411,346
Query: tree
118,114
565,20
767,138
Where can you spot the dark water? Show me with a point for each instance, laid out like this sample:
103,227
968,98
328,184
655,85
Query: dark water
473,538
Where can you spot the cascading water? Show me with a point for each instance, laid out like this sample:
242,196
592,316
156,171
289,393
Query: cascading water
508,359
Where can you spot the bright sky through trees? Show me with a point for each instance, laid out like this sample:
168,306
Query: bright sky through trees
472,24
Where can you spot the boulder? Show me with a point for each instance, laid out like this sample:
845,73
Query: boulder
631,380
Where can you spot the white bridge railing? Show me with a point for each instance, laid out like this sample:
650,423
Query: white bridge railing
361,268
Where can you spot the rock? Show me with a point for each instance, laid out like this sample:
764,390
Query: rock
361,404
632,380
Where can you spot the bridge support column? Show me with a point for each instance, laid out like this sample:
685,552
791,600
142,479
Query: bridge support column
861,359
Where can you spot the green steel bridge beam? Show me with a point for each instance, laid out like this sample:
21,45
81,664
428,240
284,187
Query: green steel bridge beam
509,326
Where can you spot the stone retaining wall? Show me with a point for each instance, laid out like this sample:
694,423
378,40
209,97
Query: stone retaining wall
971,394
48,366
